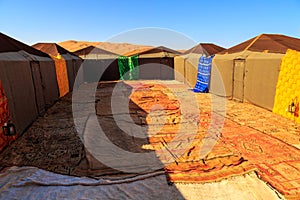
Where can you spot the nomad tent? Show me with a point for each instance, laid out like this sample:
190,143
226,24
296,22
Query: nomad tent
186,65
249,71
29,81
65,61
155,63
99,64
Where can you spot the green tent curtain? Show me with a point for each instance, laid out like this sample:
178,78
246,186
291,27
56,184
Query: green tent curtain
127,67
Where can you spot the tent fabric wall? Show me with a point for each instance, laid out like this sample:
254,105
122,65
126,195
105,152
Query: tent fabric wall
16,76
155,63
49,81
287,89
260,78
222,73
98,61
4,117
156,68
107,68
28,78
61,75
44,80
179,68
191,68
261,75
73,64
112,71
186,67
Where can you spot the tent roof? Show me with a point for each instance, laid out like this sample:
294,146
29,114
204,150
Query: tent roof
205,48
8,44
52,49
152,50
273,43
93,50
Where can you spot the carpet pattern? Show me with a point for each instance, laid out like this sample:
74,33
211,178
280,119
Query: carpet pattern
52,142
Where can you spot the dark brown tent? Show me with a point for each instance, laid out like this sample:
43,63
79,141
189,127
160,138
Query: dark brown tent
73,62
29,80
207,49
270,43
155,63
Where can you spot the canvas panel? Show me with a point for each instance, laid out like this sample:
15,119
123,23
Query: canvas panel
191,69
76,66
222,73
92,68
179,68
238,79
49,82
38,87
45,82
61,76
149,69
70,72
262,70
18,85
167,68
72,66
112,71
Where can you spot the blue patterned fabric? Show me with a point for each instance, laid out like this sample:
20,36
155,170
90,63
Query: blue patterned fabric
203,76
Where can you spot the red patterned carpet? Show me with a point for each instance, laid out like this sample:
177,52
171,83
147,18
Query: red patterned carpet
52,139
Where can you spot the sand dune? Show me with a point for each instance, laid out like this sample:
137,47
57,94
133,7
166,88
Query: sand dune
119,48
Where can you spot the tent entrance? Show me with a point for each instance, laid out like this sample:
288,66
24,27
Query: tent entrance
238,79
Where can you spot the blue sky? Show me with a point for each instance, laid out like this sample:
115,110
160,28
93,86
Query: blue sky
225,23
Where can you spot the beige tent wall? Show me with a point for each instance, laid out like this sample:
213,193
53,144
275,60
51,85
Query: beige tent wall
179,68
191,69
261,75
15,74
222,73
186,68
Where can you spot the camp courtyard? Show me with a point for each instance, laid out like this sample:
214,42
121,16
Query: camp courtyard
84,122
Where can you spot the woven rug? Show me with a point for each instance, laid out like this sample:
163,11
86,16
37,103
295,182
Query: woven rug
52,142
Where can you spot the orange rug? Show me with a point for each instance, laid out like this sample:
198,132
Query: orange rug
277,162
4,117
239,150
